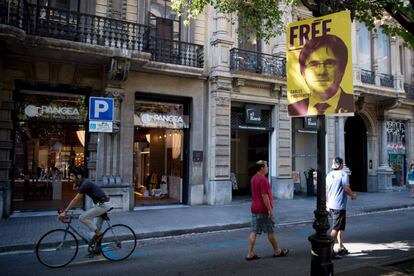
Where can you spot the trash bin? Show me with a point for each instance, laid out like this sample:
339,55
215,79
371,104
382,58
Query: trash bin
310,188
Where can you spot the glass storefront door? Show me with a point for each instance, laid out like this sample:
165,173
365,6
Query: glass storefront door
158,166
247,147
158,153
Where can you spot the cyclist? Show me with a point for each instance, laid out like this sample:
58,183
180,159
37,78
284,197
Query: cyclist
99,198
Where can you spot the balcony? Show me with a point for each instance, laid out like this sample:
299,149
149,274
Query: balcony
73,26
255,62
97,30
176,52
386,80
409,90
367,76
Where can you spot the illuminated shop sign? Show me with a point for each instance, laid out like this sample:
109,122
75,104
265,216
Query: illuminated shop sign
35,111
51,108
156,120
253,114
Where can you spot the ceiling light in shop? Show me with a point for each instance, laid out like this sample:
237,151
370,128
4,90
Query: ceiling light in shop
81,136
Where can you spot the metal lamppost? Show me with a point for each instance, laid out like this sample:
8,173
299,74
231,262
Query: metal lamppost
321,263
321,255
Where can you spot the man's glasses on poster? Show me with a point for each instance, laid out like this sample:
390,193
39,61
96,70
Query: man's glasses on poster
328,64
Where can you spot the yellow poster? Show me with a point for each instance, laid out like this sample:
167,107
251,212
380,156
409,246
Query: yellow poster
319,66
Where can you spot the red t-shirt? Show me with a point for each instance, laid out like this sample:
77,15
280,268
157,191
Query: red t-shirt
260,185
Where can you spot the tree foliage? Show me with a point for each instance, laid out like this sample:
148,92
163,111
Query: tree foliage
396,17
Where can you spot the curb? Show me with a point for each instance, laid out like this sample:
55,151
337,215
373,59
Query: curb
214,228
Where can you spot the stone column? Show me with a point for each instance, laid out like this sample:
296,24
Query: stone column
395,63
279,42
6,146
113,142
374,37
108,145
340,142
282,184
356,67
384,170
221,42
219,187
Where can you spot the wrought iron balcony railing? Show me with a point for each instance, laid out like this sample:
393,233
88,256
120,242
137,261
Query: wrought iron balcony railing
409,90
176,52
74,26
243,60
386,80
367,76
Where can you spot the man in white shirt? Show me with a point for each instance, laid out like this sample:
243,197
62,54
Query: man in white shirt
337,190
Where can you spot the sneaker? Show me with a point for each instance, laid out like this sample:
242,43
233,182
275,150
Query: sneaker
95,239
343,251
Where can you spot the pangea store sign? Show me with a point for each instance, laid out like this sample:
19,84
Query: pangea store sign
36,111
161,120
50,107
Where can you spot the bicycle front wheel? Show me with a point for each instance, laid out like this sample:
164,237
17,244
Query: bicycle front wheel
57,248
118,242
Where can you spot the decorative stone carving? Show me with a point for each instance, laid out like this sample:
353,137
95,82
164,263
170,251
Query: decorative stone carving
221,84
119,69
360,103
386,105
237,82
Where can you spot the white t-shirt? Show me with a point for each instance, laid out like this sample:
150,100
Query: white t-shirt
336,197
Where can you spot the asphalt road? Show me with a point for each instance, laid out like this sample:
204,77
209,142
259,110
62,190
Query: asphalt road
373,239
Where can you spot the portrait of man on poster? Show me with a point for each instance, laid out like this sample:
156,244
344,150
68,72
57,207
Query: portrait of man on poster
323,61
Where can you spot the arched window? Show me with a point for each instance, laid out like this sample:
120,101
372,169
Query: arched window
364,47
383,53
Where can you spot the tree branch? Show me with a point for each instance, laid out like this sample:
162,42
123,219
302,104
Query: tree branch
404,21
311,7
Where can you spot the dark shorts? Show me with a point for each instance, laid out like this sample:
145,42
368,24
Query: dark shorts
338,219
262,223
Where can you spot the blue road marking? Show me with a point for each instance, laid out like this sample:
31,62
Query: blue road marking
138,254
229,243
305,231
113,255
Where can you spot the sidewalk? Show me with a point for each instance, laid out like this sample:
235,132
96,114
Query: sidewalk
21,233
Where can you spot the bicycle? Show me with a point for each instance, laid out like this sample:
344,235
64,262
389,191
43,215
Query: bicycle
58,247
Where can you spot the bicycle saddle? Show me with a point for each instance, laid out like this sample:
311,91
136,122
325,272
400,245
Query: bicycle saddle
105,215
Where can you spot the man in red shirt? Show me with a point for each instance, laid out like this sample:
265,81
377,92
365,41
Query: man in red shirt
262,212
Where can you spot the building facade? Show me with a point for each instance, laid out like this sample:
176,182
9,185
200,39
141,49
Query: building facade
195,107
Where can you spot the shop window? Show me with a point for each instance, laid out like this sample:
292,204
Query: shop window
383,53
44,155
158,152
49,142
364,47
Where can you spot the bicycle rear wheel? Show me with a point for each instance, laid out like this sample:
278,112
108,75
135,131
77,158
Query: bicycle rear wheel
57,248
118,242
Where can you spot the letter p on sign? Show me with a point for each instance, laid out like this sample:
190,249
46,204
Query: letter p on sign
101,109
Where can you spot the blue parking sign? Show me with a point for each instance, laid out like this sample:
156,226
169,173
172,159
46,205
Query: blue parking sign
101,109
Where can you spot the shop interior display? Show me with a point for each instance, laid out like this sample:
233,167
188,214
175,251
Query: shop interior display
44,155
